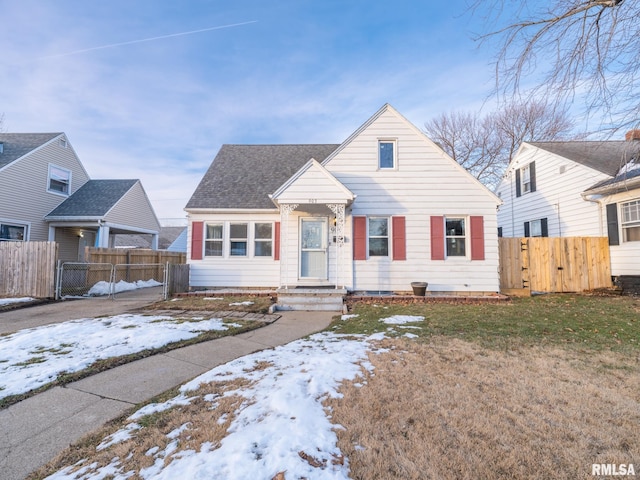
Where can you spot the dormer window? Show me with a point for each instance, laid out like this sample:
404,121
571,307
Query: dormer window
59,180
386,154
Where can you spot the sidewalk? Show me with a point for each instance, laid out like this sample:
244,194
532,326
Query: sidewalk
35,430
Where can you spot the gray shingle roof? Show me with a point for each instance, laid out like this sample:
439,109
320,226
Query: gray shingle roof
604,156
93,199
242,176
16,145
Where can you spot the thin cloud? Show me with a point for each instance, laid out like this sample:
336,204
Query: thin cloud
151,39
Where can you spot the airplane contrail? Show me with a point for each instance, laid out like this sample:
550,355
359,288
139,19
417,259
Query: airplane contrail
112,45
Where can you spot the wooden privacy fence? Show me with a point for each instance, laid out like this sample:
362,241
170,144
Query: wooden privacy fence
27,269
155,260
549,265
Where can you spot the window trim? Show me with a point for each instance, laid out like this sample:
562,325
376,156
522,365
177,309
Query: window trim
394,143
387,236
50,178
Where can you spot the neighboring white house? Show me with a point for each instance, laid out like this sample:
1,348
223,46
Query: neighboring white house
385,208
577,188
47,195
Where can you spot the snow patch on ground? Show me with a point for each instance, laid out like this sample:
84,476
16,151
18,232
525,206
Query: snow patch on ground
8,301
402,319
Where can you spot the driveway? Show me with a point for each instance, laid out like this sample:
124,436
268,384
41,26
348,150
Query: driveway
64,310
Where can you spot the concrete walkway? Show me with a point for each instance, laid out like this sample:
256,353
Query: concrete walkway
35,430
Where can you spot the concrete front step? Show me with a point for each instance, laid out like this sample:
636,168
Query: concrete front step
311,299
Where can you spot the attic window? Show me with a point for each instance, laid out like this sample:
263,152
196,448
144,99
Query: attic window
386,154
63,142
59,180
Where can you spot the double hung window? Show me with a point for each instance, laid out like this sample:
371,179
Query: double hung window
378,237
263,239
456,238
631,221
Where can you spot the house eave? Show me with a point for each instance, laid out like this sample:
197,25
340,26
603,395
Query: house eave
73,219
614,188
200,211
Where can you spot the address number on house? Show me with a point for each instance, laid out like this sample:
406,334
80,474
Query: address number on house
313,200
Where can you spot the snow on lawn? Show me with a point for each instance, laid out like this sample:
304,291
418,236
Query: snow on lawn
401,319
281,425
33,357
7,301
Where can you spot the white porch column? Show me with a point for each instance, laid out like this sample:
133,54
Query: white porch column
339,211
285,212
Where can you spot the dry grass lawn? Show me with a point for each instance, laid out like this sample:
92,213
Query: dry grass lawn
451,409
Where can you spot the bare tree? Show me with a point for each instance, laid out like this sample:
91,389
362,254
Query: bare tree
484,146
568,49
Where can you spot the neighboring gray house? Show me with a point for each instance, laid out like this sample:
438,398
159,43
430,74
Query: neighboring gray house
46,194
577,188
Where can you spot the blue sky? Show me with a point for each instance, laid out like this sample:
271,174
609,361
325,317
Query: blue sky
140,97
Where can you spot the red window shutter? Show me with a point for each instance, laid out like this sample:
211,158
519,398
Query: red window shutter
477,238
437,238
197,231
276,242
359,238
399,238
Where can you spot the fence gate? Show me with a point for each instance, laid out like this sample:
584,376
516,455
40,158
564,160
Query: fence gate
142,280
568,264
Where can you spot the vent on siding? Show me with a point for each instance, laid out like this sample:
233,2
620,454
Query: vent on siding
563,168
63,143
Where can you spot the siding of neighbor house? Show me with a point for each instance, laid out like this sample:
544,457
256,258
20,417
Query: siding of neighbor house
134,209
625,257
23,186
247,271
426,183
559,183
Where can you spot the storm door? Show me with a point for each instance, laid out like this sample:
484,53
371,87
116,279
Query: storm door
313,248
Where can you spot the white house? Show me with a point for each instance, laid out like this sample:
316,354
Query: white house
385,208
577,188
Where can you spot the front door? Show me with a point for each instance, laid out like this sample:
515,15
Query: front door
313,248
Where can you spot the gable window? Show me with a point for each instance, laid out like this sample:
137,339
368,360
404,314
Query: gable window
263,239
456,238
9,232
378,237
213,241
526,179
631,221
59,180
238,239
386,154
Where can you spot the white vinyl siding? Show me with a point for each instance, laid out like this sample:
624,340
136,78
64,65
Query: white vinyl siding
426,183
559,184
234,271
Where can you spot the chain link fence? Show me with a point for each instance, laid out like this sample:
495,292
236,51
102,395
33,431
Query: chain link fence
75,279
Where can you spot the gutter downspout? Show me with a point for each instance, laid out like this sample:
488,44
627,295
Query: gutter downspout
590,198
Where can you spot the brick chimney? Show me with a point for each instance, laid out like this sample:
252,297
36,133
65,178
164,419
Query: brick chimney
632,135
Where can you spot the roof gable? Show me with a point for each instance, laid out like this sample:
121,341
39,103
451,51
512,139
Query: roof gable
94,199
17,145
243,176
313,177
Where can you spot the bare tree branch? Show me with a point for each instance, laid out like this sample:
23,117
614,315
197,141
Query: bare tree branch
569,49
